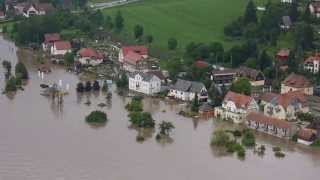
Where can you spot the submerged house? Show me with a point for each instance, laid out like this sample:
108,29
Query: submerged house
145,83
269,125
187,90
235,107
285,106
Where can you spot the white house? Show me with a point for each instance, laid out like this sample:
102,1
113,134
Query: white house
235,107
187,90
60,48
287,1
89,56
312,63
33,9
145,83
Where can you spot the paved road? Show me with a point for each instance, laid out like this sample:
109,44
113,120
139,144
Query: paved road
112,4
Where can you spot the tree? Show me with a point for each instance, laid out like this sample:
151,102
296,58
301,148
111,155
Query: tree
122,81
142,119
250,15
88,86
220,138
96,86
195,103
307,16
264,61
21,71
248,138
80,87
68,59
7,65
172,44
165,128
242,85
138,31
97,117
11,85
119,22
135,105
293,11
304,34
149,39
108,22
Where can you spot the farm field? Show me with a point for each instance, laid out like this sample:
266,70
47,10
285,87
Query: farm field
185,20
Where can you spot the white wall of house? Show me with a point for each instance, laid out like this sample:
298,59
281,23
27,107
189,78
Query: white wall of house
31,11
150,87
90,61
314,11
313,68
307,90
229,110
301,141
55,51
269,129
287,1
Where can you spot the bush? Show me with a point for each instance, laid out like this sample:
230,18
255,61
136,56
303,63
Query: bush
97,117
220,138
140,138
142,119
276,149
316,143
21,71
135,105
279,154
248,139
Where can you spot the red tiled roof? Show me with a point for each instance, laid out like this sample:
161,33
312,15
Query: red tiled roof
134,54
312,58
283,54
296,81
268,96
89,52
287,98
261,118
51,37
240,100
201,64
306,134
62,45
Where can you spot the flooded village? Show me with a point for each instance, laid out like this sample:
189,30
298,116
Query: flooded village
219,130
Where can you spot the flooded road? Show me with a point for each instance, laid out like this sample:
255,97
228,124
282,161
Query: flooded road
41,141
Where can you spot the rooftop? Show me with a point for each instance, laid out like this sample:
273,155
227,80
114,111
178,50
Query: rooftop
296,81
240,100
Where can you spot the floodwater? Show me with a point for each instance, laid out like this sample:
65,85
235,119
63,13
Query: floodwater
40,140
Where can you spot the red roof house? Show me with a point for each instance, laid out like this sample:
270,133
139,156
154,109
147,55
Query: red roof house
240,100
133,54
91,53
51,37
201,64
283,54
60,48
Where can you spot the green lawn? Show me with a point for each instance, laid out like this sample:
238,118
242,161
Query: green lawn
186,20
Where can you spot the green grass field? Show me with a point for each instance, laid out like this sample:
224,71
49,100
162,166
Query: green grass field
186,20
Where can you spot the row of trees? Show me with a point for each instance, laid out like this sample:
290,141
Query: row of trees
14,82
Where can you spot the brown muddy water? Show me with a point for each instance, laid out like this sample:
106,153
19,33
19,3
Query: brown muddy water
41,141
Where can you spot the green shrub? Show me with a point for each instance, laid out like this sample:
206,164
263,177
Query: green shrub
276,149
220,138
248,139
142,119
279,154
316,143
97,117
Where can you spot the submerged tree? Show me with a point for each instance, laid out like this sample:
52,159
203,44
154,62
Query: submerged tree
96,86
7,65
165,128
80,87
21,71
88,86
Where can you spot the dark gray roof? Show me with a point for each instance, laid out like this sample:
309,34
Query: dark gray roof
145,76
286,20
188,86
